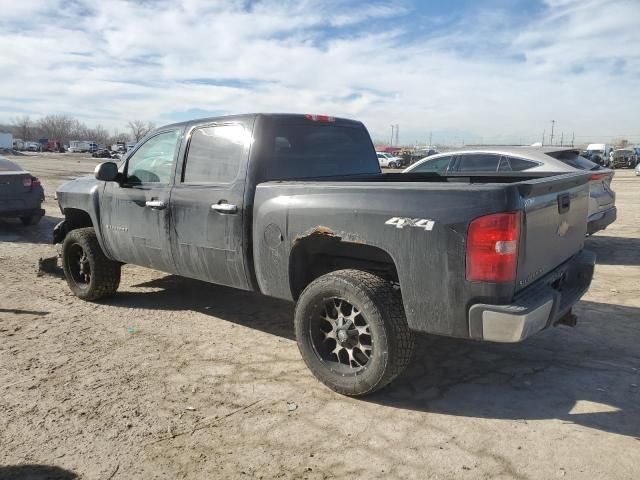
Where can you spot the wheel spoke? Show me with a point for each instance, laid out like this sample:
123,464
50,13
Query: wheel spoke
343,324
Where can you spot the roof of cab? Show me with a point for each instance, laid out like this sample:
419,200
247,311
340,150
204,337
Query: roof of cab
278,116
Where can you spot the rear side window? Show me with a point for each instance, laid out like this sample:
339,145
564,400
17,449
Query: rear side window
434,165
214,154
313,149
572,158
478,162
518,164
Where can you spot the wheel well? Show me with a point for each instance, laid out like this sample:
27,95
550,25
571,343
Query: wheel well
77,219
317,255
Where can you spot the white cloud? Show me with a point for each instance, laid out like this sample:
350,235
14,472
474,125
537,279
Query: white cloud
493,75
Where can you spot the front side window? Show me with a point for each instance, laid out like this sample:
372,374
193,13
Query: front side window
153,161
215,154
478,162
434,165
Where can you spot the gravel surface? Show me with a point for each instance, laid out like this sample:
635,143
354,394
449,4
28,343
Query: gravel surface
174,378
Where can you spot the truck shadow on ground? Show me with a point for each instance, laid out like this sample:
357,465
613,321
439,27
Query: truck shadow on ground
588,376
614,250
249,309
35,472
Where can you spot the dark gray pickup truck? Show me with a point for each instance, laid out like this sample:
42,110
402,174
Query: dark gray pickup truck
296,207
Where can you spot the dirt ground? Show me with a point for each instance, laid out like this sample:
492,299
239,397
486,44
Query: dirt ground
174,378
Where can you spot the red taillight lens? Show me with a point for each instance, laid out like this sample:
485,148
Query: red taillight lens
26,182
320,118
597,176
35,182
492,247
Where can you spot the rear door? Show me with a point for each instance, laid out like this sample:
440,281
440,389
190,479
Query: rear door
207,204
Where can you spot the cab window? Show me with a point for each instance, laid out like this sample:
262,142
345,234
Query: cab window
153,161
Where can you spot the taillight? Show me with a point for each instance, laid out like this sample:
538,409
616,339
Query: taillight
26,182
597,176
35,182
319,118
492,247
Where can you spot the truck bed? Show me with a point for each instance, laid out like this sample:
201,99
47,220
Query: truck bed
420,222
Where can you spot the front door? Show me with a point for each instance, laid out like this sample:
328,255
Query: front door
207,205
135,221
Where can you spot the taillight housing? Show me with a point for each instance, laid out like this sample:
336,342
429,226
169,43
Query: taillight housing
27,181
492,247
35,182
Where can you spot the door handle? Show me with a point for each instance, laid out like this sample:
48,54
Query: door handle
224,208
156,204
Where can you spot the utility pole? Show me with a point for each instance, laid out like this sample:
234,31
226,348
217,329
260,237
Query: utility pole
573,137
553,124
562,139
430,133
392,131
397,134
543,132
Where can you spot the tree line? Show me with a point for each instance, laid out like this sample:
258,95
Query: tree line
64,128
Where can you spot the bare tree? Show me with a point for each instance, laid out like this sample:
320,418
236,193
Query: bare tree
57,127
22,127
139,129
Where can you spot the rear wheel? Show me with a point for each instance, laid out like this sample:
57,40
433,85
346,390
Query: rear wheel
89,273
352,332
393,165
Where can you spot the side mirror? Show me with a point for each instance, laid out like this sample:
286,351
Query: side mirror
106,171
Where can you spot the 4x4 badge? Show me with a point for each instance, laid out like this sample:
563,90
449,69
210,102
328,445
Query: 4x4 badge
401,222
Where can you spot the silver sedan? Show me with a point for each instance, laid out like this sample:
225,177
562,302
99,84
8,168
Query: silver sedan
602,209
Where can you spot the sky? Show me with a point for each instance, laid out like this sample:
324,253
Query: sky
492,71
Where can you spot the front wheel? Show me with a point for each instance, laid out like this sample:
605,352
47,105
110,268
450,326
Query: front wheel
352,332
89,273
393,165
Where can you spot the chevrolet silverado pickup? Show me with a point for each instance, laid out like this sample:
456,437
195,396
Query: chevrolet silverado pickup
296,207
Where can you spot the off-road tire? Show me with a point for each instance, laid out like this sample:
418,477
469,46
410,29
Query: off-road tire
381,304
30,220
105,273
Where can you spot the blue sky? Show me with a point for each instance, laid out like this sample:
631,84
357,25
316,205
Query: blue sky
473,71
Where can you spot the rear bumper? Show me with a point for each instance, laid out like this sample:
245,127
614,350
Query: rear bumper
600,221
537,307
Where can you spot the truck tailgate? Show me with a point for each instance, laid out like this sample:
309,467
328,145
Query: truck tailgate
554,224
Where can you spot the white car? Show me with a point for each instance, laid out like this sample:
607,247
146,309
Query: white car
602,209
389,161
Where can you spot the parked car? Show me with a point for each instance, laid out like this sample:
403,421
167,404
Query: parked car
102,153
387,160
637,169
624,158
21,194
602,209
599,153
296,207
